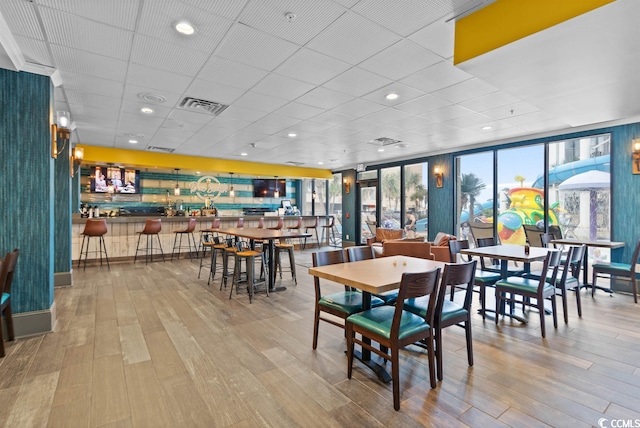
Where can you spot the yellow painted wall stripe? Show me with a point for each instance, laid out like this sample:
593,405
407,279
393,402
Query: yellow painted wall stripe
140,159
506,21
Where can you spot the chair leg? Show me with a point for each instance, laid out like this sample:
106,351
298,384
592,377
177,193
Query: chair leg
395,375
554,310
578,300
565,310
137,247
106,256
292,266
1,338
316,325
432,366
350,335
467,332
633,284
593,283
7,316
81,250
438,343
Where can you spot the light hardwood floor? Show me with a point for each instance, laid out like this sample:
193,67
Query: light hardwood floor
151,346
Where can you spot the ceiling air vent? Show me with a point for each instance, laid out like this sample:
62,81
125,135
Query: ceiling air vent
160,149
384,141
202,106
294,163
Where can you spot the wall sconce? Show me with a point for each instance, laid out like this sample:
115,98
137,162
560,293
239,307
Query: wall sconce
314,195
636,156
77,154
60,132
347,185
176,190
276,193
438,174
232,193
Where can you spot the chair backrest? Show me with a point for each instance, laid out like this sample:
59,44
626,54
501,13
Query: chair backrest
216,223
261,223
331,222
545,239
299,223
191,226
240,222
555,230
636,254
486,242
551,265
315,223
325,258
364,252
152,226
95,227
480,230
533,235
412,286
454,249
6,273
457,275
280,223
573,263
216,240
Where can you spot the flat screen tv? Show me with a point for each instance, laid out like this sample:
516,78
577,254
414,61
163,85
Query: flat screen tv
110,179
265,188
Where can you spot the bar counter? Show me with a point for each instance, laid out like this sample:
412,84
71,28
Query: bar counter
122,237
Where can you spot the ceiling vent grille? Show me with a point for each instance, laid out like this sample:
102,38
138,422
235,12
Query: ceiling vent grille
384,141
294,163
202,106
160,149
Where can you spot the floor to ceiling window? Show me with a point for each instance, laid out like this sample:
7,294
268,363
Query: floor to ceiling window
390,198
474,192
415,199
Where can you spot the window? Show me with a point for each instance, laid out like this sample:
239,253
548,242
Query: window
415,199
390,198
474,196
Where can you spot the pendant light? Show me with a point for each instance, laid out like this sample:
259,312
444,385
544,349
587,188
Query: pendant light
232,193
176,190
276,193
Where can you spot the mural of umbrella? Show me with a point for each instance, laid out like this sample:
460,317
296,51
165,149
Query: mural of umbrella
591,181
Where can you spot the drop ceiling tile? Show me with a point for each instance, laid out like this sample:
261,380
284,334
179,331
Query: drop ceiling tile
93,112
88,63
252,47
360,125
85,121
166,56
352,38
22,19
423,104
155,79
310,18
464,91
357,82
447,113
388,115
244,114
312,127
299,111
282,87
158,19
93,100
508,111
411,122
312,67
332,118
404,92
135,93
122,14
226,8
473,119
83,83
490,101
436,77
435,128
400,60
405,20
438,37
71,31
34,51
134,106
227,72
178,127
359,107
96,137
210,91
324,98
161,140
180,115
260,102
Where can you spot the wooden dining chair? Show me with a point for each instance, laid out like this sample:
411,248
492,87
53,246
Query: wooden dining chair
615,269
482,278
570,278
394,328
366,252
340,304
449,312
495,264
540,289
6,278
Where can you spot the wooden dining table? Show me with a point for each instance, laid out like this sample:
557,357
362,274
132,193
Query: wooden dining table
374,276
509,253
270,235
585,263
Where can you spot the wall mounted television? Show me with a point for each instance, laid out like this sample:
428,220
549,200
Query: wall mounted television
265,188
111,179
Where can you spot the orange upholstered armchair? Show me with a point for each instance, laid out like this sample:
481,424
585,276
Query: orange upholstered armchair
440,246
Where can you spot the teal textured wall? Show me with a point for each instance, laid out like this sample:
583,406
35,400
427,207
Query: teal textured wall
62,211
26,193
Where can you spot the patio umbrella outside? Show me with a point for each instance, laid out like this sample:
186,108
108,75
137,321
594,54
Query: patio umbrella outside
591,181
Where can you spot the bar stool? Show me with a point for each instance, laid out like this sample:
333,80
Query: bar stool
313,226
261,223
151,227
328,228
211,232
243,252
217,248
94,228
297,227
191,226
280,247
229,252
279,225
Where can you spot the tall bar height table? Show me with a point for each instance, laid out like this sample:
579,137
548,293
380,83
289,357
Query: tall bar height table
269,235
585,263
373,277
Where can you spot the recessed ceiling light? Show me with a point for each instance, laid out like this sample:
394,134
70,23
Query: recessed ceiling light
292,134
392,96
487,128
320,163
152,98
381,150
133,141
244,154
146,110
183,27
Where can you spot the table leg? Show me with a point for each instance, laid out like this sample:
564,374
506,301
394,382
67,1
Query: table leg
272,268
365,355
585,275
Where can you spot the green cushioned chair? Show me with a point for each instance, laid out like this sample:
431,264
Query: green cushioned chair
448,311
340,304
619,269
394,328
366,252
531,288
482,278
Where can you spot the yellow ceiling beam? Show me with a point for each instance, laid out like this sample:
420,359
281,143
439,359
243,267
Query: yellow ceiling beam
506,21
163,161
